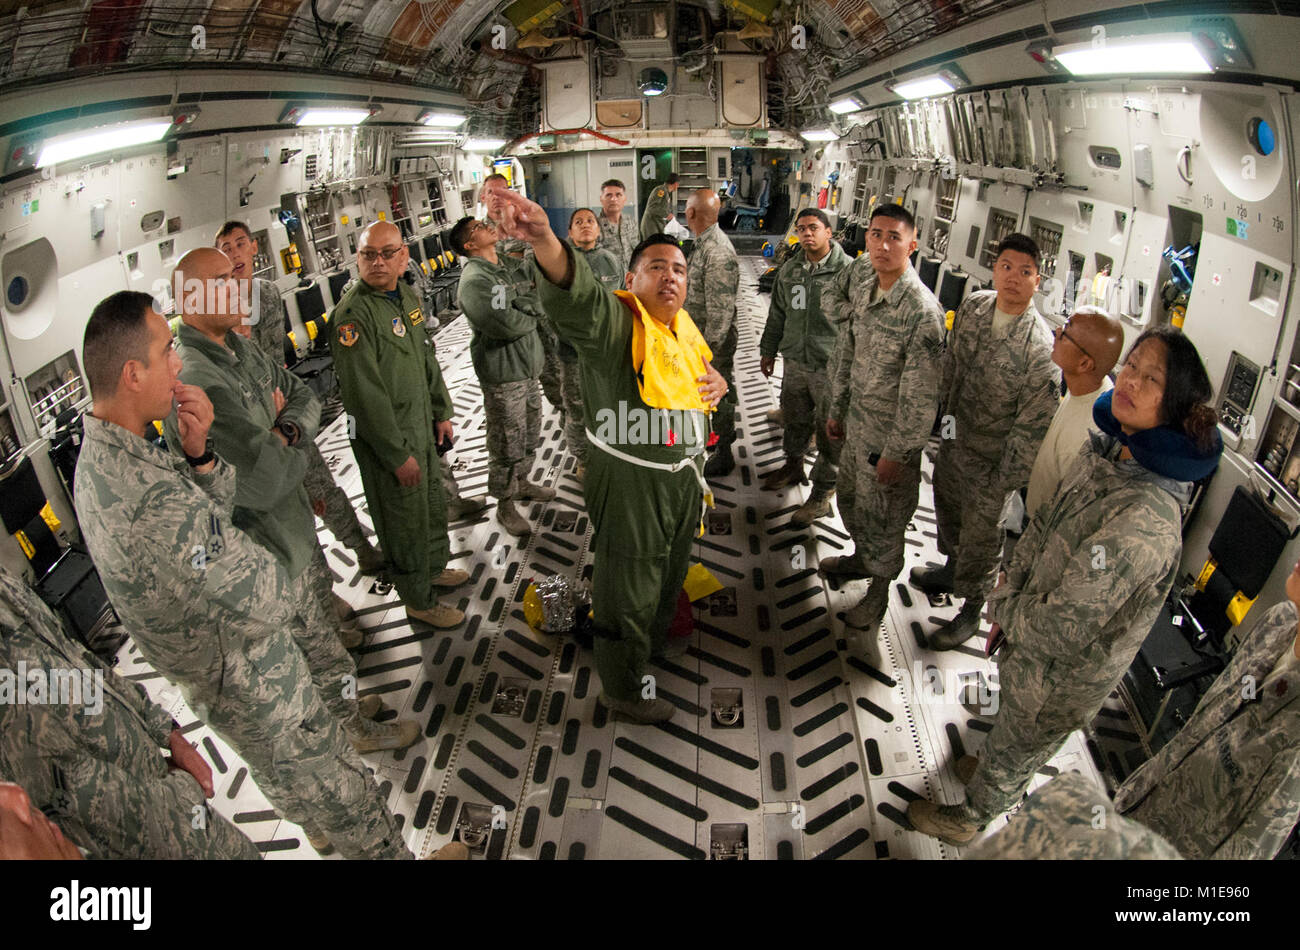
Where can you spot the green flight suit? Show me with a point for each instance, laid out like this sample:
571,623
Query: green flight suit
644,520
608,271
392,387
271,501
657,208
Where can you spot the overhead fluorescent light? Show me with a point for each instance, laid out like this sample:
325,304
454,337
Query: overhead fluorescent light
819,135
923,88
1127,55
328,115
441,120
845,106
483,144
74,145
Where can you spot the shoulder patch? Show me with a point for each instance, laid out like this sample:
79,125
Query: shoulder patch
348,334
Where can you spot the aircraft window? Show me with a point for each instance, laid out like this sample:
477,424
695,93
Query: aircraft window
1261,136
17,291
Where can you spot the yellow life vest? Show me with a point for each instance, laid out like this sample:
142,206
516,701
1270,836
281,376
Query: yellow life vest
668,359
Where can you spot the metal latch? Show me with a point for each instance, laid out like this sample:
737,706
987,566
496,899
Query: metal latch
728,708
729,842
510,696
474,826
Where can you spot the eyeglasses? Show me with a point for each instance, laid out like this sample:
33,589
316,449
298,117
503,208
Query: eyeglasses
1062,330
387,253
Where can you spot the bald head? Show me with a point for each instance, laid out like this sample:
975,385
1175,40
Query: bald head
702,210
382,256
207,296
1089,348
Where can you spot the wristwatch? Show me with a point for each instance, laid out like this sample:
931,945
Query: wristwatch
207,456
290,429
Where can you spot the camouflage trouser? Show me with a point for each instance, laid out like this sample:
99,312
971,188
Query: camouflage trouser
513,414
151,818
339,517
575,430
333,671
297,753
968,504
805,397
552,372
724,418
449,486
876,515
1032,724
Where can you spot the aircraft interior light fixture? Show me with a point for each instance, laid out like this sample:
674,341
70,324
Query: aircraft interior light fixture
653,81
441,120
1127,55
74,145
922,88
845,106
819,135
327,115
475,144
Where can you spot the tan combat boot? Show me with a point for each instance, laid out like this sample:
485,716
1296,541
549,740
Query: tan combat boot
384,736
508,517
443,618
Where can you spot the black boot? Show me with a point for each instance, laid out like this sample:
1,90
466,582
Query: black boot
959,629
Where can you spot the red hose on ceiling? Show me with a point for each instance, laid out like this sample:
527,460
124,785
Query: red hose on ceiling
600,135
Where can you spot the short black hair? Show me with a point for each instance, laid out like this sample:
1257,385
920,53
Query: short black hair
649,242
229,228
1184,405
578,211
1023,244
459,232
116,332
817,213
891,210
494,176
671,179
613,183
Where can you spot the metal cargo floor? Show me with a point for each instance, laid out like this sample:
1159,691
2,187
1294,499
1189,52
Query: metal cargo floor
828,750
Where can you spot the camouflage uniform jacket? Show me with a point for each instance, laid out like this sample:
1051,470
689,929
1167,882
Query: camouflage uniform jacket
1236,764
1002,393
1060,822
207,606
805,334
1089,576
269,332
712,280
74,763
500,303
885,370
622,238
271,502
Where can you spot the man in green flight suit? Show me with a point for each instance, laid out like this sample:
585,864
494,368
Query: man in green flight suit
392,386
659,207
649,387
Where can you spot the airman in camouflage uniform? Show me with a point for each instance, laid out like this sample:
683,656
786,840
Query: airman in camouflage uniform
506,246
800,328
620,237
500,303
1228,784
583,234
659,207
100,771
1070,818
261,433
713,281
1081,594
208,607
998,394
884,392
